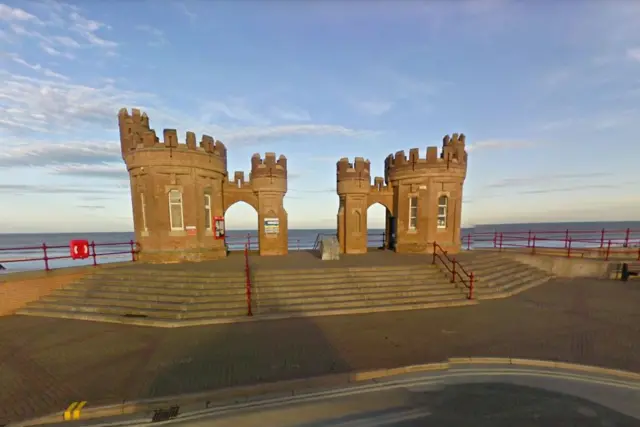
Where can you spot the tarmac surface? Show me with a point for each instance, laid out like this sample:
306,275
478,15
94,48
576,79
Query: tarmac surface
47,363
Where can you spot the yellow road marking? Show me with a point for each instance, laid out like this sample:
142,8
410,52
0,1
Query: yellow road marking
76,411
68,413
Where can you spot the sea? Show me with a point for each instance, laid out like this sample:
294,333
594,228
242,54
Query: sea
25,252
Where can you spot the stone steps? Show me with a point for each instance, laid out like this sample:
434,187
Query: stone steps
171,297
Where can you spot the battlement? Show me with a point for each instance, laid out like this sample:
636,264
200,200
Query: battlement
452,155
238,180
359,169
135,134
268,166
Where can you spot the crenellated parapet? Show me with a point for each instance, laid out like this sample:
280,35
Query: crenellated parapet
140,144
452,160
380,187
353,177
269,166
267,174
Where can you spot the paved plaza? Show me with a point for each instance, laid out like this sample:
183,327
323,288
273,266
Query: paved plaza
47,363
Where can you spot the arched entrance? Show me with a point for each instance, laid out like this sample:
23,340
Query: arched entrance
241,222
376,226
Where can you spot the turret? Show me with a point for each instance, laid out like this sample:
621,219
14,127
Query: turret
136,137
353,177
451,161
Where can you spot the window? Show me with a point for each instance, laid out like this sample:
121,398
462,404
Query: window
207,211
175,210
413,213
143,208
358,221
443,202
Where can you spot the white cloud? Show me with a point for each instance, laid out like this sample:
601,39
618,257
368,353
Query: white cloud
46,153
61,25
115,171
496,144
374,108
11,14
634,54
290,114
157,36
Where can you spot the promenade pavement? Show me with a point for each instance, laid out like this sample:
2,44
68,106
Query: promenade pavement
47,363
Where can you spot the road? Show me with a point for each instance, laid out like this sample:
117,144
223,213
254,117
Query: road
47,363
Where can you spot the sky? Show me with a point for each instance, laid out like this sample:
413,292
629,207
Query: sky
546,92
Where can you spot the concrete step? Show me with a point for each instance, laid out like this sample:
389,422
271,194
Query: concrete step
197,296
511,290
206,318
131,289
141,304
87,307
509,273
355,304
158,294
126,272
268,298
164,280
288,286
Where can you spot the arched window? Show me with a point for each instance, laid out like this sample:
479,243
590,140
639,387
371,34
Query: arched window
358,222
175,210
208,225
443,207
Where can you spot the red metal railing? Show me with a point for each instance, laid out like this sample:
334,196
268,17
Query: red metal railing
456,270
46,250
594,243
247,272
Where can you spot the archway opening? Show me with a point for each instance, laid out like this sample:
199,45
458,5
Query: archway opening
376,226
241,223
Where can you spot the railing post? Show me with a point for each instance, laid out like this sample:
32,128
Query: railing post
602,239
248,279
453,271
529,240
298,244
469,241
626,238
93,253
249,240
569,248
133,252
501,238
606,257
533,246
435,246
495,239
471,284
566,238
45,257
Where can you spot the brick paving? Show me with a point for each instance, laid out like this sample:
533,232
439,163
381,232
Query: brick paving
47,363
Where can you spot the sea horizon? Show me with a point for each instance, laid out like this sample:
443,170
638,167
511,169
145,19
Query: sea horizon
24,251
464,227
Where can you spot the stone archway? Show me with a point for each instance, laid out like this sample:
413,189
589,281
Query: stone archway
242,225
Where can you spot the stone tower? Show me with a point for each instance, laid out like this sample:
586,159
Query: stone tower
423,197
177,190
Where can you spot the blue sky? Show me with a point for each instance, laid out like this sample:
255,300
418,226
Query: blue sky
546,92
